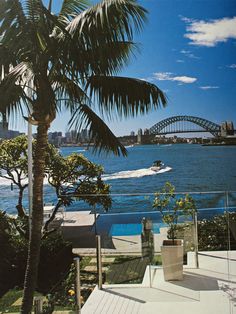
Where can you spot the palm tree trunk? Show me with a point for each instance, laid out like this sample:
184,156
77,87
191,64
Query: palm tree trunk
37,221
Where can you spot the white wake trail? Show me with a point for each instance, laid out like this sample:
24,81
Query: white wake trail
134,173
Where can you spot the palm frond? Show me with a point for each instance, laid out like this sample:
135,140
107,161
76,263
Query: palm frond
100,40
21,74
70,9
109,20
110,58
68,92
100,133
125,97
33,10
10,12
13,99
7,58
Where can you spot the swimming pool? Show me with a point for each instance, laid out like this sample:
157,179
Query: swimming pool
125,224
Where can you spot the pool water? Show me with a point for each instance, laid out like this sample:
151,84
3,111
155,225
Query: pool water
125,229
125,224
132,229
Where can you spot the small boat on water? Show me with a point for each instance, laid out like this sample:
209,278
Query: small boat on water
157,165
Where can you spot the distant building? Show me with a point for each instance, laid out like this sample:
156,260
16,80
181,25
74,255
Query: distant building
84,136
227,128
132,133
140,133
5,133
146,132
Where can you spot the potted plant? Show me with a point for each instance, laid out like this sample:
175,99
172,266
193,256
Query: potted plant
171,208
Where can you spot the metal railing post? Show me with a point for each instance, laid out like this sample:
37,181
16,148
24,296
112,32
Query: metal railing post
99,261
196,240
78,285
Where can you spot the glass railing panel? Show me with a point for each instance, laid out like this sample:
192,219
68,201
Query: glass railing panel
214,245
122,259
229,286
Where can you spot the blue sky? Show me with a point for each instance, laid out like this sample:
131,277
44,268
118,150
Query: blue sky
188,49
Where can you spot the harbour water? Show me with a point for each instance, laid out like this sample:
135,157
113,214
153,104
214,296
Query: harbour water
190,168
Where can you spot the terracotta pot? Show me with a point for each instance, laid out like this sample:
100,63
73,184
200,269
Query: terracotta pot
172,259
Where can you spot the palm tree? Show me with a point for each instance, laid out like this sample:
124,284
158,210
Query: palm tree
73,59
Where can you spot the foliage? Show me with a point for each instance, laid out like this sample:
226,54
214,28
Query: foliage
14,165
55,260
55,257
213,233
13,250
8,299
63,294
72,177
171,207
76,176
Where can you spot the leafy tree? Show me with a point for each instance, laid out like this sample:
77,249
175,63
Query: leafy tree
67,61
14,166
75,177
171,207
72,177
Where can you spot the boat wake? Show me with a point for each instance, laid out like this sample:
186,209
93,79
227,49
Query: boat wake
134,173
7,182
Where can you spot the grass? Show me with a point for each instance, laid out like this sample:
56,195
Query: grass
127,270
85,260
156,260
9,298
7,301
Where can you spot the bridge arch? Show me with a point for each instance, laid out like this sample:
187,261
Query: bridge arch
207,125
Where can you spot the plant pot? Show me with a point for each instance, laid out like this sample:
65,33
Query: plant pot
172,259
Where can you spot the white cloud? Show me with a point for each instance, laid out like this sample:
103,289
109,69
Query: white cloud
149,79
232,66
162,76
184,79
210,33
189,54
168,76
180,61
208,87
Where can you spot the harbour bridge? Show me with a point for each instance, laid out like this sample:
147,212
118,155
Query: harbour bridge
185,124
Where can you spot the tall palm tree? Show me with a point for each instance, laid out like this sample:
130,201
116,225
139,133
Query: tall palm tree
73,59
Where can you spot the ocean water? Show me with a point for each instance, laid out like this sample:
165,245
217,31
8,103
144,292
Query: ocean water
190,168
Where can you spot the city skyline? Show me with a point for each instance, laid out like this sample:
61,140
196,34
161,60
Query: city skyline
188,50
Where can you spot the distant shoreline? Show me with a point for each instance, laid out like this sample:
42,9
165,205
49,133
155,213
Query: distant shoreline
220,144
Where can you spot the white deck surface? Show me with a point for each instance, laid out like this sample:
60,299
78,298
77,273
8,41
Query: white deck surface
211,289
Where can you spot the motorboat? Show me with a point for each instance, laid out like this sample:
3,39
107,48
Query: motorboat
157,165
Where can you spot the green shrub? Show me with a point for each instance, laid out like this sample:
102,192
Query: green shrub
214,235
55,257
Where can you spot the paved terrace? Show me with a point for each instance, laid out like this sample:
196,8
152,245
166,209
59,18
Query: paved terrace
211,289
